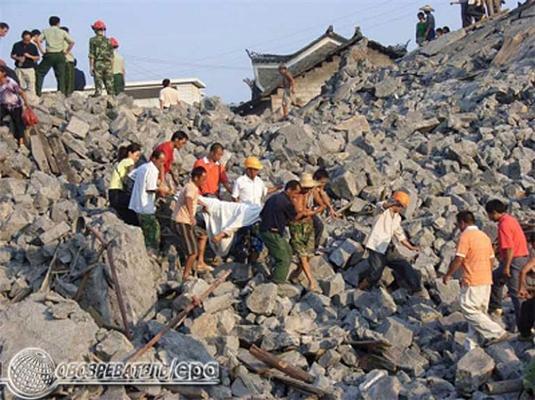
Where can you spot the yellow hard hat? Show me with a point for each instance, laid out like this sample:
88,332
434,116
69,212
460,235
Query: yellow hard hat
253,163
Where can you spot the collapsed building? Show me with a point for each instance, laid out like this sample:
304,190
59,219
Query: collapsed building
311,66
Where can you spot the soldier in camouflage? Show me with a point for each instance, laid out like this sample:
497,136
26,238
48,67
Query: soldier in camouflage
101,59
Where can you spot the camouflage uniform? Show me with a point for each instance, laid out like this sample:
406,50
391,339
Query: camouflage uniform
101,52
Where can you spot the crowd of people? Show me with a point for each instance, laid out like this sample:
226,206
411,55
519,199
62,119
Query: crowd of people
472,11
40,51
288,222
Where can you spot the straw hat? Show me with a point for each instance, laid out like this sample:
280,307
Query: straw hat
253,163
402,198
427,8
307,181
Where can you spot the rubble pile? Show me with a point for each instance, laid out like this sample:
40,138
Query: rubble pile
452,123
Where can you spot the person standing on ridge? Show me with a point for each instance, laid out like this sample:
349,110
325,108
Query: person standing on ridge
429,22
169,96
69,69
288,87
58,44
118,67
101,59
420,29
26,55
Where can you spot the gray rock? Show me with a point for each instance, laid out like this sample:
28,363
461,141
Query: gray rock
341,255
473,370
66,339
78,127
333,285
395,332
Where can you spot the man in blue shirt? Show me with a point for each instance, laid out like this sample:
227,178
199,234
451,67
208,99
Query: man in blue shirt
276,215
26,55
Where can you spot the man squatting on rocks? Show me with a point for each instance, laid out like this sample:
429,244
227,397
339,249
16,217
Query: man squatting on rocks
381,249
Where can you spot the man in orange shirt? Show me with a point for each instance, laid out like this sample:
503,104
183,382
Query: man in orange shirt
475,256
513,253
215,171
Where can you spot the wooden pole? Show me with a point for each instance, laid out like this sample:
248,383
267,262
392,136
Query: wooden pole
502,387
120,298
180,317
275,362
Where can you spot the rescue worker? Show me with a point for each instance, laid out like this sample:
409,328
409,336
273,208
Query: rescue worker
101,59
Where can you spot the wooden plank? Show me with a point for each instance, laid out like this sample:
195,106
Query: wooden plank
275,362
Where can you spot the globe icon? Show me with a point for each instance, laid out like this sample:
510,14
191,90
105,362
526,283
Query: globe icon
31,373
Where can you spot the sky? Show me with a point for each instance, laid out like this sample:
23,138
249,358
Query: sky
206,39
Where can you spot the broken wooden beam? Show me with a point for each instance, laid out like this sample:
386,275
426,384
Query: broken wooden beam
295,383
275,362
115,278
503,387
179,318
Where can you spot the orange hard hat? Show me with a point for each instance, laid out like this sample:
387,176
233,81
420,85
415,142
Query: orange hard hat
402,198
114,42
99,25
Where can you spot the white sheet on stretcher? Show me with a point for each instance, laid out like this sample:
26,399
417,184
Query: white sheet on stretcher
228,217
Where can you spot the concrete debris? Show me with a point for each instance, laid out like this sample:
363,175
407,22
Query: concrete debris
450,123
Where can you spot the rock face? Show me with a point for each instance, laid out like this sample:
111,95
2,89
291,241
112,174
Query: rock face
67,335
450,123
137,273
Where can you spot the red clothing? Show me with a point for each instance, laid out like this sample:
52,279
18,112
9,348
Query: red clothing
511,236
169,150
215,175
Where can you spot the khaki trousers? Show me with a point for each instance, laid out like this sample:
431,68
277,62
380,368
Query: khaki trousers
474,305
27,79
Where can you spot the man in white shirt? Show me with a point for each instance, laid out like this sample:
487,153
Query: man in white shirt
381,250
168,96
250,188
143,198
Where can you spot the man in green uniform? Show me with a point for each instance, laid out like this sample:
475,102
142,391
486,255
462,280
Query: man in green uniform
58,44
101,59
69,69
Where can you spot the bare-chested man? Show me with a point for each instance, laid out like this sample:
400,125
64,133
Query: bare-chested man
302,228
288,85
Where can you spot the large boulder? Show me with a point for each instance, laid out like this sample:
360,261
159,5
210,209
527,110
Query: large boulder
56,325
137,273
